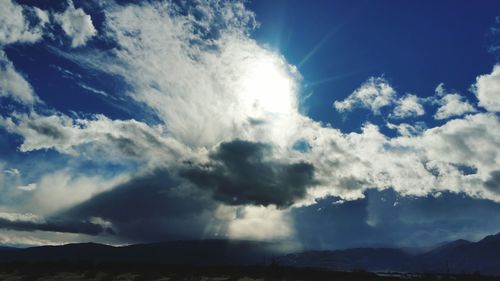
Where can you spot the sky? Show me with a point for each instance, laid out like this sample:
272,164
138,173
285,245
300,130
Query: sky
316,124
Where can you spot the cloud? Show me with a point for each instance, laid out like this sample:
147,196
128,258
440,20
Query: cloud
374,94
28,187
93,90
408,130
412,164
242,172
226,120
487,90
17,27
97,137
64,188
221,82
13,84
76,24
12,172
408,106
493,183
261,223
31,222
451,104
152,207
158,206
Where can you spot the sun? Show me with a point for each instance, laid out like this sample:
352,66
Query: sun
268,87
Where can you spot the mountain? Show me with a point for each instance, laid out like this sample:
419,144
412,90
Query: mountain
462,256
459,256
201,252
370,259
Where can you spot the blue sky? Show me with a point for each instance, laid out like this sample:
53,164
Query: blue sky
329,124
415,45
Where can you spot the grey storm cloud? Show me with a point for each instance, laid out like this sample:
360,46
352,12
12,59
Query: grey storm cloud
56,225
493,183
151,207
240,172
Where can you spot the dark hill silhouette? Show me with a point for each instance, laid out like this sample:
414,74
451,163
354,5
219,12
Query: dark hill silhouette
463,256
371,259
200,252
459,256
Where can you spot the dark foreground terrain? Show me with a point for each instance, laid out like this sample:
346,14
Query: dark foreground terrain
135,272
248,260
457,257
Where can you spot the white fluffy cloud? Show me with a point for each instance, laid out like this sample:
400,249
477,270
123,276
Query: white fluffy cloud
488,90
18,24
76,24
419,163
16,28
374,94
451,104
13,84
408,106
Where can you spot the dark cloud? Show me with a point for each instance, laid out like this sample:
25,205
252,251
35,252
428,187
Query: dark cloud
56,225
240,172
152,207
493,183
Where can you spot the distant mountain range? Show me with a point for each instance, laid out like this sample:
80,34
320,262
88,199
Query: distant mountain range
459,256
196,252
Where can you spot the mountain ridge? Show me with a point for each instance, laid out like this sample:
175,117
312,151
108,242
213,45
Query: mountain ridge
459,256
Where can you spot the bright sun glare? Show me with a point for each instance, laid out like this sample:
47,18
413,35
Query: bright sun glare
268,88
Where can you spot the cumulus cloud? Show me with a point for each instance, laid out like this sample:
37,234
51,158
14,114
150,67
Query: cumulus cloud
374,94
17,27
242,172
408,106
408,130
13,84
412,164
451,104
487,90
76,24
